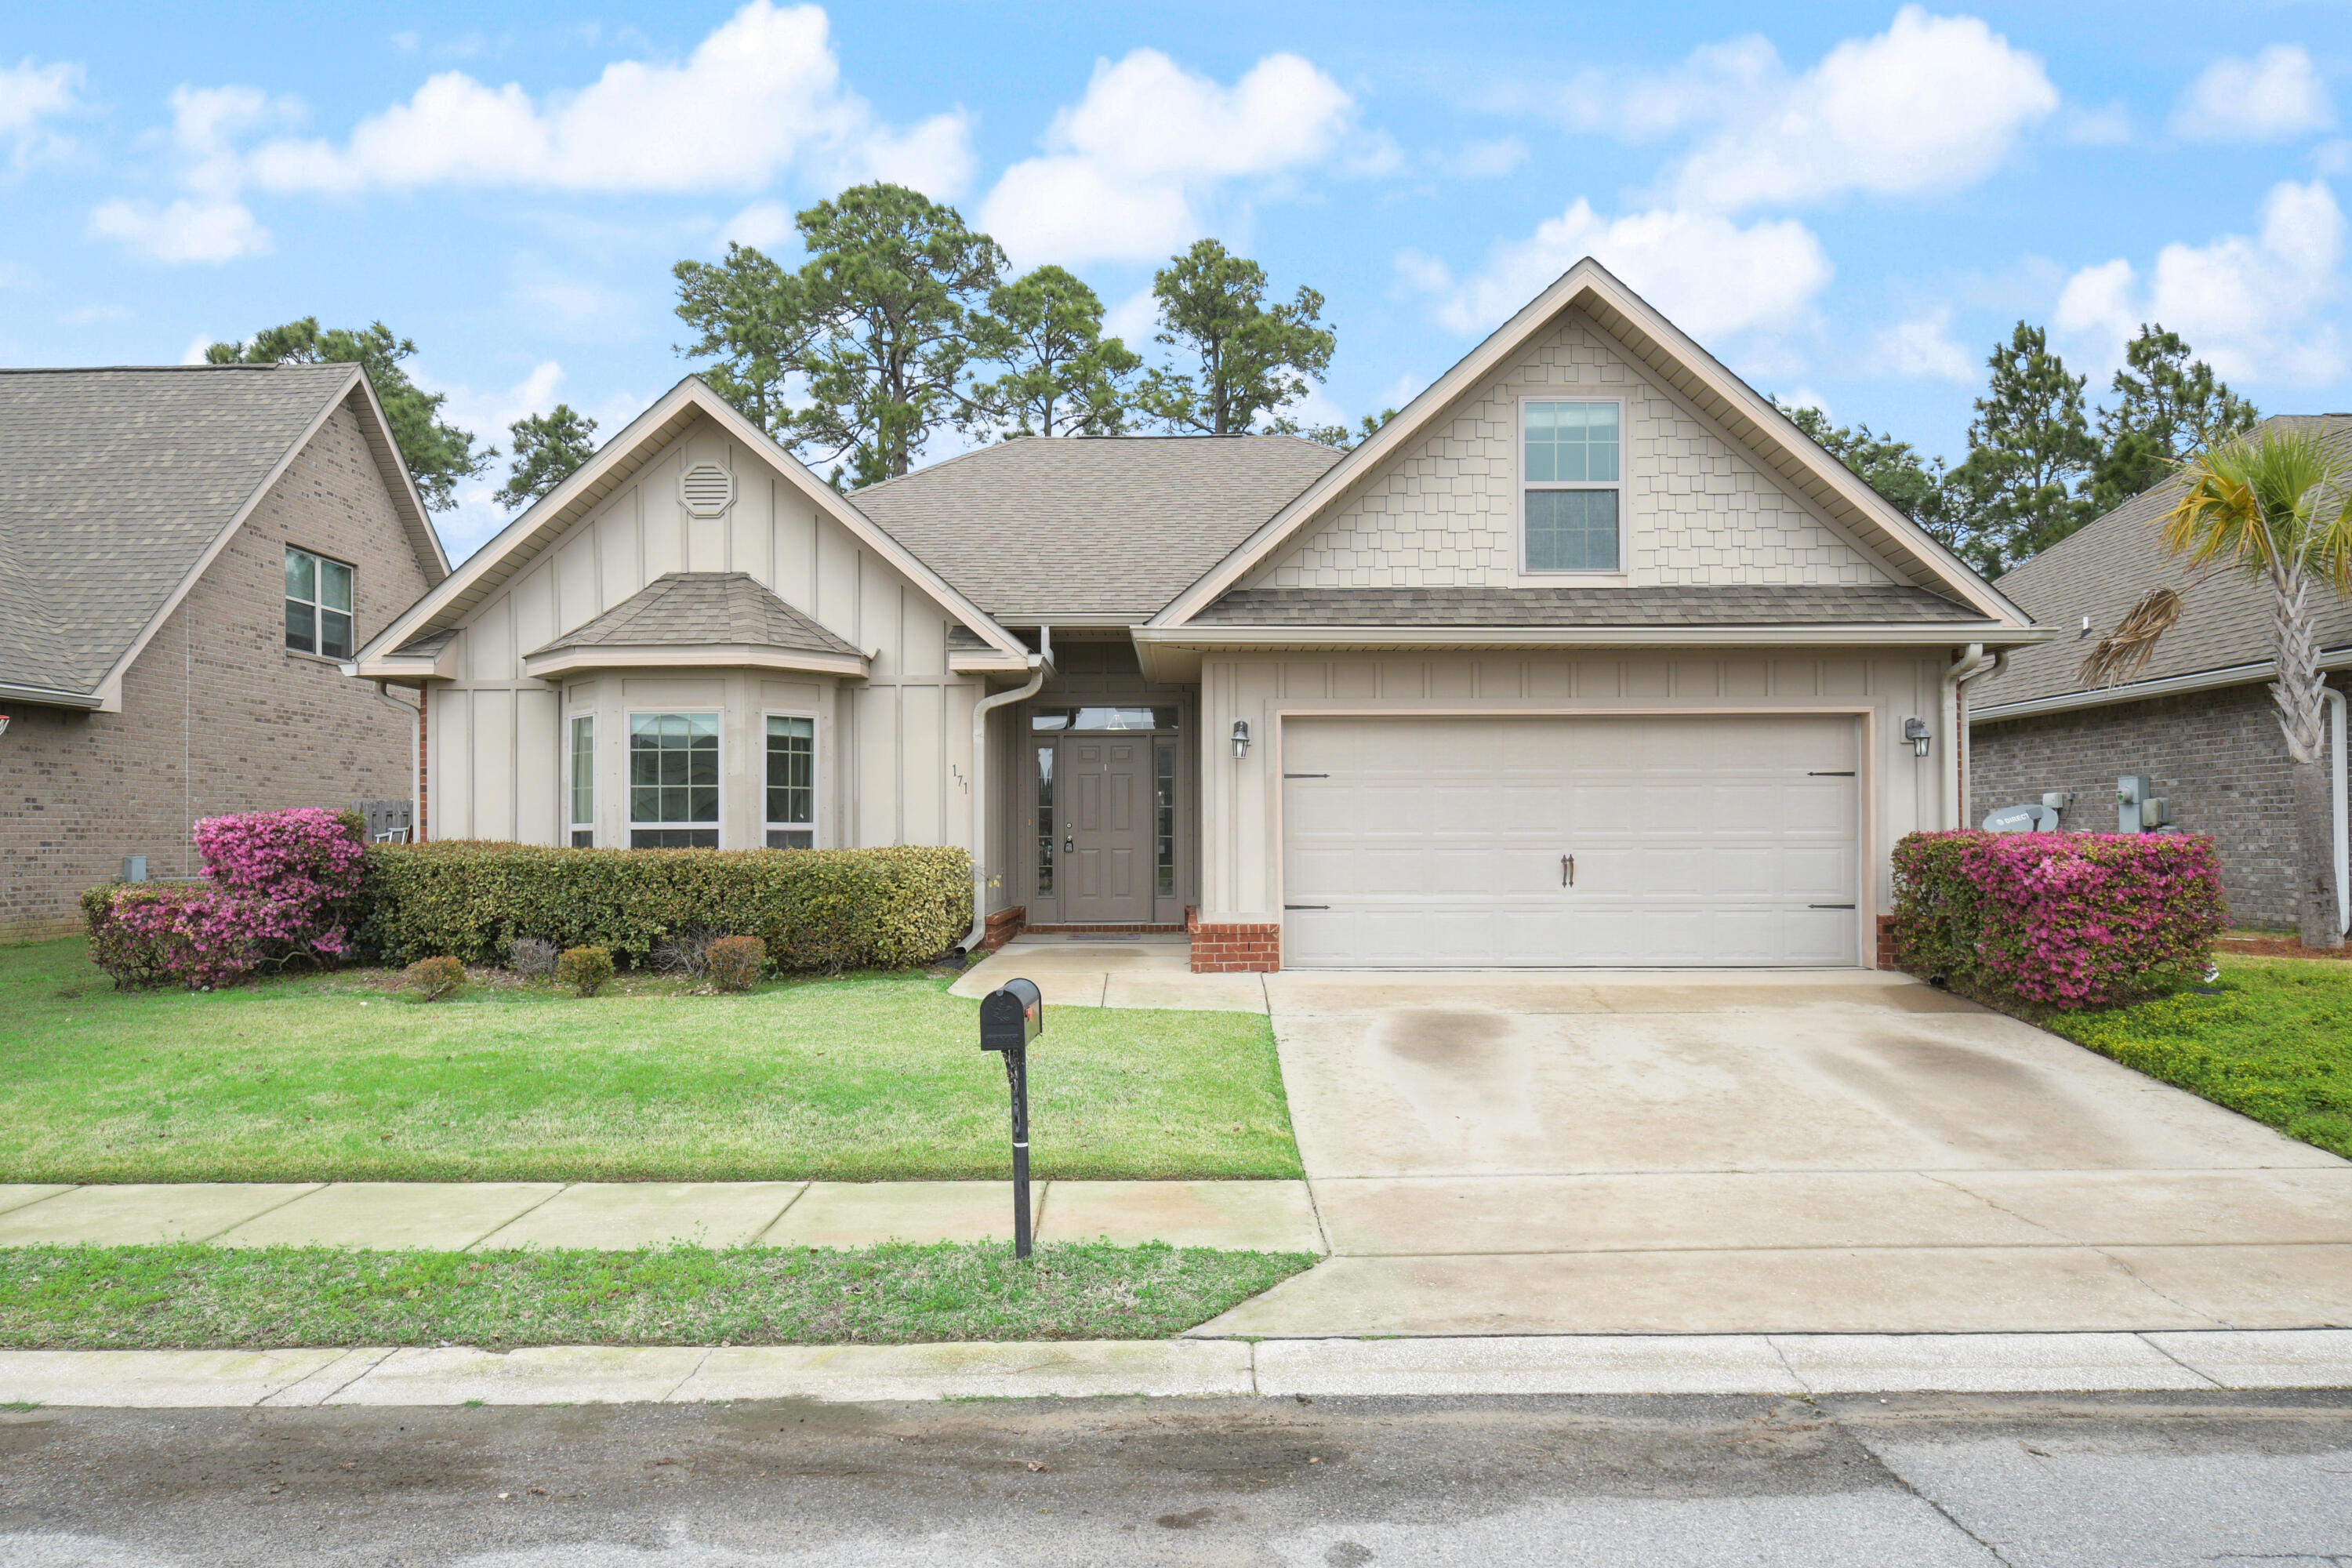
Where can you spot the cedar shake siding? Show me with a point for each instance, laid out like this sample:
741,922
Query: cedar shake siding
218,715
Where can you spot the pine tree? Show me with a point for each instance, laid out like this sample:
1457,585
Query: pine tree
2170,408
2024,485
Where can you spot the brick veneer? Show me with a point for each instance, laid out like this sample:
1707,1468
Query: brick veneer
1002,927
1222,949
218,715
1886,942
2217,759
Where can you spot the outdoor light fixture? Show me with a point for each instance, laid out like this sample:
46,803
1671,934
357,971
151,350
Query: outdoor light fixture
1915,731
1241,738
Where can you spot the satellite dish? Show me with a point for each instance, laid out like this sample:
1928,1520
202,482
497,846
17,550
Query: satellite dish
2022,819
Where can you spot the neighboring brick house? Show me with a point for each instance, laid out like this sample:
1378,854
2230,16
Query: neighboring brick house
2198,723
154,526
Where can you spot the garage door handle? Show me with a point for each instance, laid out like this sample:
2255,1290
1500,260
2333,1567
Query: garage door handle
1829,906
1822,773
1306,906
1568,871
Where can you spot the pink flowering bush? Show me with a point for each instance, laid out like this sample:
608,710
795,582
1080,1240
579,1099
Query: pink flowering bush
2063,920
277,887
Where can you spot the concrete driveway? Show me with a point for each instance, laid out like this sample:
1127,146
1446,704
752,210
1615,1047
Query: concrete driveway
1800,1152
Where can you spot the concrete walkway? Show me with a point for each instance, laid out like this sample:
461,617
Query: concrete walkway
1729,1363
1087,970
1833,1153
454,1215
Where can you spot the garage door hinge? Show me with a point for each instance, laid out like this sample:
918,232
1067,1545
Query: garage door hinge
1829,906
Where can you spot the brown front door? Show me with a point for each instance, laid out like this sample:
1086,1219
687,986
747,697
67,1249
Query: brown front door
1107,862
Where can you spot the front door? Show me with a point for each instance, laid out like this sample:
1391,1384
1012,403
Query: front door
1106,782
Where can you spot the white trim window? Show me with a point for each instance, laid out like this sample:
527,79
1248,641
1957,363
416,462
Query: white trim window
318,605
1572,484
583,790
790,790
674,781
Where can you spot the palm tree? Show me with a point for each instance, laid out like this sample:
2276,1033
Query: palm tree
2276,507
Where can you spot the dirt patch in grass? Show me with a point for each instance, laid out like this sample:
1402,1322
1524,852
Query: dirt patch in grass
196,1297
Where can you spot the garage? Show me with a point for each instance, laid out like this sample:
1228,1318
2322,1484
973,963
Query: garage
1699,840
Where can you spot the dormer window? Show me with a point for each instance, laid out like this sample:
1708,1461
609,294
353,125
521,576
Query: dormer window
318,605
1572,485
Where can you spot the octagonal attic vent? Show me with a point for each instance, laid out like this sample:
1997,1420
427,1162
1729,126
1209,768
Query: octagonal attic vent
709,488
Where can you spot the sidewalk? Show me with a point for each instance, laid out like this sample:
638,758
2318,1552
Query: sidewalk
1267,1216
1793,1365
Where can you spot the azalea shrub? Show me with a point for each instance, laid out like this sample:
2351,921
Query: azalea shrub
2059,921
278,885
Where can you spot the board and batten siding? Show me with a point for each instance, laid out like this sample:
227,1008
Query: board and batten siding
1241,863
894,751
1444,512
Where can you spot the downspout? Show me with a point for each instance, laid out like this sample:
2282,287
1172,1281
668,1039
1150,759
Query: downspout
1971,666
2342,816
1041,664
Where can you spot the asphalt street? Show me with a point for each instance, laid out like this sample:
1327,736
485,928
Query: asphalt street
2144,1481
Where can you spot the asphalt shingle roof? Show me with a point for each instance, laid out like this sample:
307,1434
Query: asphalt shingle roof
703,609
2109,565
1652,606
113,483
1076,526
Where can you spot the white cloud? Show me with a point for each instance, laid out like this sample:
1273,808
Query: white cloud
1931,103
30,96
486,413
762,225
2254,306
1710,276
1133,320
1923,345
761,93
1716,83
1488,159
1806,397
2277,94
194,352
2107,127
1131,168
182,231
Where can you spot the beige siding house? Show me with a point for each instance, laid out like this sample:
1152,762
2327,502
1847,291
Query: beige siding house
1588,658
187,556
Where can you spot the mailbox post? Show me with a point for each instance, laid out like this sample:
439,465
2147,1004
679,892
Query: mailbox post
1010,1017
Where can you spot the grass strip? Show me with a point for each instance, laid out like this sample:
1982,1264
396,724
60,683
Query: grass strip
2272,1040
191,1296
865,1077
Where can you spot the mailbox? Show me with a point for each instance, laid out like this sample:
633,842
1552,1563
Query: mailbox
1010,1016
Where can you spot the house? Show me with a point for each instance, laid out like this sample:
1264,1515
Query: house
187,556
1588,656
2198,721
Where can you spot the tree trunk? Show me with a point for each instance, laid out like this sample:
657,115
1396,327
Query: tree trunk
2314,861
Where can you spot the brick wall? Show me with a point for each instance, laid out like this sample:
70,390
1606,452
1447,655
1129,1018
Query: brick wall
1233,949
2216,757
1002,926
218,715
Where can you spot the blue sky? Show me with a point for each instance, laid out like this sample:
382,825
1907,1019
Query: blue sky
1848,203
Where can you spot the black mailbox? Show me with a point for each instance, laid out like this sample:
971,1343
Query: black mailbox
1010,1016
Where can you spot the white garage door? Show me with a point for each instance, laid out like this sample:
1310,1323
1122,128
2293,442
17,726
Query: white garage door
1501,842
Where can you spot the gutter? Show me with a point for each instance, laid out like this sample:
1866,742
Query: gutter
2259,670
2342,799
50,697
1041,664
1217,637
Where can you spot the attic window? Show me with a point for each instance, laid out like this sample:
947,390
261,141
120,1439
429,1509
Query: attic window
709,488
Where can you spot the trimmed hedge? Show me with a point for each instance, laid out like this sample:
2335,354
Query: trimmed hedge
827,910
2057,919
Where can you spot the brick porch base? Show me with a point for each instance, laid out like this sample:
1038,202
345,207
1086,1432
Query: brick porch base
1002,927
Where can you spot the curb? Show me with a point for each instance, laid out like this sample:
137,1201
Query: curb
1792,1364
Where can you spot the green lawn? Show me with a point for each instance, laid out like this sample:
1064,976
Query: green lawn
869,1077
191,1296
2273,1041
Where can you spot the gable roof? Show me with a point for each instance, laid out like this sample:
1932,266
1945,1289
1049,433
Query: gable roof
1665,353
2104,568
701,610
118,485
1078,530
643,440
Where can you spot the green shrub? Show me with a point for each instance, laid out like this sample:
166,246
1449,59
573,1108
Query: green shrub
827,910
434,978
584,969
733,963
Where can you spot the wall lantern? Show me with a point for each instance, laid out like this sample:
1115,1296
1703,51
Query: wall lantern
1241,738
1915,731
